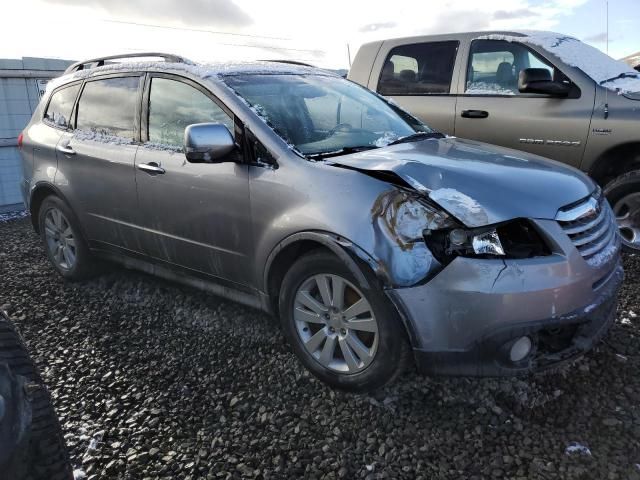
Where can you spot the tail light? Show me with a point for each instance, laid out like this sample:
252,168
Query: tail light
20,137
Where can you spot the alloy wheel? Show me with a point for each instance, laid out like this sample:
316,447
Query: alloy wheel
627,211
336,323
60,239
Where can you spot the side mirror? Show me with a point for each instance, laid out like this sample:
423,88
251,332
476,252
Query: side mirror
538,80
207,142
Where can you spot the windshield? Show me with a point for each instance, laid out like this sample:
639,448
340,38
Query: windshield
319,114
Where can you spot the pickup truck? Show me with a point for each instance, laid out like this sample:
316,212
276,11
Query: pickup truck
541,92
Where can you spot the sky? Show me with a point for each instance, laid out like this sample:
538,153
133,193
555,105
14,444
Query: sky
322,32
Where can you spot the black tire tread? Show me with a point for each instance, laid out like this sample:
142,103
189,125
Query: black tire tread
48,456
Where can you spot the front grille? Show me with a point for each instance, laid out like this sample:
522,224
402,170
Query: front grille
592,228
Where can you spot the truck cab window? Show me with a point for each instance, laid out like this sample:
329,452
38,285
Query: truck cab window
494,67
418,69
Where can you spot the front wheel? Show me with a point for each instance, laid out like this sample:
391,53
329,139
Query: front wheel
623,194
347,335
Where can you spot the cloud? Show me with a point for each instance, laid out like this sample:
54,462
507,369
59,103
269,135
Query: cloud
372,27
514,14
211,13
597,38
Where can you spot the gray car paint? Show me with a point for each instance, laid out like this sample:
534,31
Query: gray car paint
175,222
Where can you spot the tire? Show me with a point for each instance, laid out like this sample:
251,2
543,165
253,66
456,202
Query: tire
623,194
84,265
45,456
387,349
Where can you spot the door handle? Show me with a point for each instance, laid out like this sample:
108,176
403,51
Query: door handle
474,114
151,167
66,149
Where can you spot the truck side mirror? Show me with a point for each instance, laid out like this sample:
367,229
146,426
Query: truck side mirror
538,80
208,143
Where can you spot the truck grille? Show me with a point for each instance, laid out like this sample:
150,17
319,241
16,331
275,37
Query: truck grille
591,227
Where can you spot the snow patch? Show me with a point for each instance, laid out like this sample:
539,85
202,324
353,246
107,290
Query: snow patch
385,139
485,88
9,216
101,137
201,70
577,448
461,206
162,147
79,474
604,70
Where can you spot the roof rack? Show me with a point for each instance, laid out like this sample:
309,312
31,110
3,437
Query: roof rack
290,62
99,62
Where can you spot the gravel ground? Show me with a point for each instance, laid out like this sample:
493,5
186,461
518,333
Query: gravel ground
155,380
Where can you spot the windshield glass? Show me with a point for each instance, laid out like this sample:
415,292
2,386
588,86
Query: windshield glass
319,114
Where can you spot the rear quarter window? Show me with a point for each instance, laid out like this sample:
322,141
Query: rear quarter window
60,105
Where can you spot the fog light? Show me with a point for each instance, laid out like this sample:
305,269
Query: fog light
520,349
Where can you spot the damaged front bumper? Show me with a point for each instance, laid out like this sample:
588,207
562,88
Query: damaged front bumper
466,319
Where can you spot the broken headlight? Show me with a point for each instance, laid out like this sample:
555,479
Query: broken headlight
515,239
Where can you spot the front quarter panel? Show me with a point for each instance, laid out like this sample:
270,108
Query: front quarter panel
303,196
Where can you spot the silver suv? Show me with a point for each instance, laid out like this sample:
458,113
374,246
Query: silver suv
541,92
373,238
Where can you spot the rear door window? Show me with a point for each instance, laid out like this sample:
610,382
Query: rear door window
494,67
174,105
418,69
60,106
109,107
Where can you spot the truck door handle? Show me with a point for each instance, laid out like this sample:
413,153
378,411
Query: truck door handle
474,114
151,167
66,149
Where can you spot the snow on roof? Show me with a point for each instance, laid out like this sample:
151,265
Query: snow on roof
612,74
202,70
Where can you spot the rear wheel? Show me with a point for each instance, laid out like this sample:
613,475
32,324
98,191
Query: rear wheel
63,242
347,335
623,194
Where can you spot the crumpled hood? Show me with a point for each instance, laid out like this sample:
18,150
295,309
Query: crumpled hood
477,183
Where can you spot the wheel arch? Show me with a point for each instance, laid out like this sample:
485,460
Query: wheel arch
615,161
283,256
41,191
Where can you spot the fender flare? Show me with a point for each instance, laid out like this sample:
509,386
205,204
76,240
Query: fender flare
347,251
342,247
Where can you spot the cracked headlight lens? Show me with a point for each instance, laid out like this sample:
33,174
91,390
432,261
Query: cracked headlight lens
487,243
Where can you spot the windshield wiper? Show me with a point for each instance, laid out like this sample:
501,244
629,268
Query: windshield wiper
622,75
416,136
342,151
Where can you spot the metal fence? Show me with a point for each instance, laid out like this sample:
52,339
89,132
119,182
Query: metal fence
22,83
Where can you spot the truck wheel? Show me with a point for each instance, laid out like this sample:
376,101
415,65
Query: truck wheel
62,239
39,452
348,336
623,194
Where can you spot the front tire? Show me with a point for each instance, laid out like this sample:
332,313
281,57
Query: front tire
63,241
349,336
623,193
